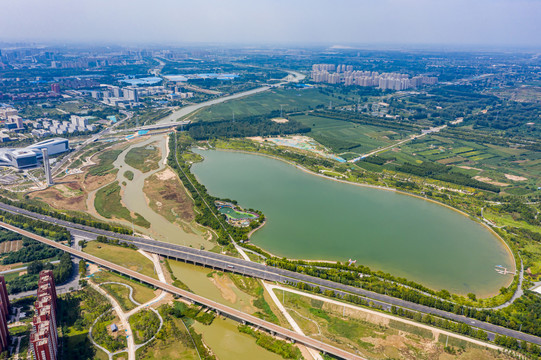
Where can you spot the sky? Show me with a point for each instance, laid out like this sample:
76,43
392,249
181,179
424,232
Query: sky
333,22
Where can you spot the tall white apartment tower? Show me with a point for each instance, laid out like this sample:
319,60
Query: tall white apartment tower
47,167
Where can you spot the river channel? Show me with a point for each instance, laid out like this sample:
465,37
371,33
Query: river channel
310,217
135,200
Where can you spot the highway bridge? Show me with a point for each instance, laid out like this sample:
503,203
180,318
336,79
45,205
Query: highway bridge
219,308
261,271
161,126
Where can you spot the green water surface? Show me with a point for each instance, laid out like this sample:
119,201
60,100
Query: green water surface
309,217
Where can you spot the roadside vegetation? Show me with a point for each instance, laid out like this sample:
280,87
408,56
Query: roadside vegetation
373,335
63,216
121,294
280,347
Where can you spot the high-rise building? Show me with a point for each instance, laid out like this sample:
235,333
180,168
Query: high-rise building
4,313
55,88
44,335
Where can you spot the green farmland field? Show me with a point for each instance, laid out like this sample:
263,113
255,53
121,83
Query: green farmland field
348,138
265,102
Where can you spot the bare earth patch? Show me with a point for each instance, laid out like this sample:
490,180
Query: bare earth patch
515,177
166,175
65,196
223,283
469,168
490,181
280,120
10,246
167,196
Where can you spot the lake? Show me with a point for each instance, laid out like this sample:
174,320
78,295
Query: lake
310,217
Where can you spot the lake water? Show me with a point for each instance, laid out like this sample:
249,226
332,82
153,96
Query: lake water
309,217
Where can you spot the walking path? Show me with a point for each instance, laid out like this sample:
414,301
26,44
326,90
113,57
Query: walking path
123,320
413,137
434,330
130,295
124,316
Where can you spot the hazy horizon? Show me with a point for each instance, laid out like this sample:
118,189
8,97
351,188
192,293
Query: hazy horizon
388,23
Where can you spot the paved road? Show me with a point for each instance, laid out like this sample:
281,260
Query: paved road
57,166
264,272
186,110
221,309
123,319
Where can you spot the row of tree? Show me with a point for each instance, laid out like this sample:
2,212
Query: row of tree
207,216
61,216
51,231
523,314
31,251
444,173
245,127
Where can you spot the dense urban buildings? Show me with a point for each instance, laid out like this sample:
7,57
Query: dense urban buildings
44,335
344,74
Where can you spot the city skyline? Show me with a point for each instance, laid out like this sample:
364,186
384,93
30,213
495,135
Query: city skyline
498,23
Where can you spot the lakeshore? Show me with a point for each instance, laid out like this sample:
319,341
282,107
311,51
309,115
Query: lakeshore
400,235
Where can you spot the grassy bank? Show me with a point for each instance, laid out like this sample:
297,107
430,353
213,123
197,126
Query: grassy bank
108,203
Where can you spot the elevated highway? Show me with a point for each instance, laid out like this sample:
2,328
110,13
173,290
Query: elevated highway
221,309
248,268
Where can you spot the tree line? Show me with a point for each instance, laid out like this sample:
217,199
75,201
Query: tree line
31,251
61,216
207,216
29,281
245,127
444,173
524,314
51,231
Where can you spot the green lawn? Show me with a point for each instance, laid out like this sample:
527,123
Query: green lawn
141,293
108,204
105,165
122,256
265,102
121,294
507,220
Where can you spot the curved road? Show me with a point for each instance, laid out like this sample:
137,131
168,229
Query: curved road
186,110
